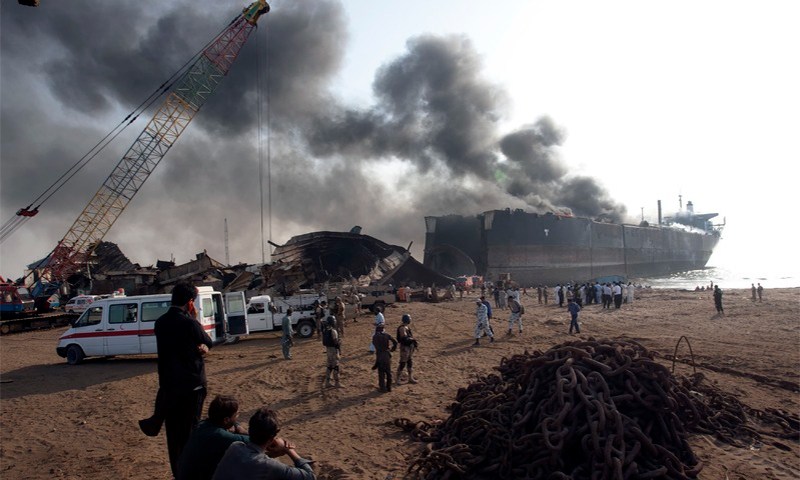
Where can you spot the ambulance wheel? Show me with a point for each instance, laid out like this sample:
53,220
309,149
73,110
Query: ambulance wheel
305,328
75,355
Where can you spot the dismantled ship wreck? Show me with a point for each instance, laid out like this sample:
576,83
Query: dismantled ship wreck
313,259
550,248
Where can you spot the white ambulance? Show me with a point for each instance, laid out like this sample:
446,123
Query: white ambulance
125,325
265,313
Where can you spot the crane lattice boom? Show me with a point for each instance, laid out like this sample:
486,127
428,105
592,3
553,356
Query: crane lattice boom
170,120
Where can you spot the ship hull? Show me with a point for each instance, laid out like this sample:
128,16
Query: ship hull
549,249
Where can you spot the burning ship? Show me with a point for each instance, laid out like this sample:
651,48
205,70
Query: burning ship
551,248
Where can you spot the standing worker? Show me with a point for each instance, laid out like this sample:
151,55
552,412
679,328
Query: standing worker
407,346
482,323
718,299
286,339
181,344
337,310
330,338
760,291
383,357
379,320
574,309
516,314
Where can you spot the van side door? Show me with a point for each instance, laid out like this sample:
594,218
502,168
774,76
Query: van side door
89,328
258,316
236,310
122,329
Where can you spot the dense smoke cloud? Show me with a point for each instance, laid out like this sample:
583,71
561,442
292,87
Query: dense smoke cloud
430,144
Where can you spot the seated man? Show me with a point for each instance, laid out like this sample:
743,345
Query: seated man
210,439
252,459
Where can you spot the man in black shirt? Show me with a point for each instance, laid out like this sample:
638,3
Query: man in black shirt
181,343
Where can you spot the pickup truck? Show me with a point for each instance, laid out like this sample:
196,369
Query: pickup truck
372,297
264,313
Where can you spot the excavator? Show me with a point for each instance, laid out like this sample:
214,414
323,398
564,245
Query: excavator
184,98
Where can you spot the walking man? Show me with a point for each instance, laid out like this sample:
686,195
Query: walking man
407,346
286,338
330,338
516,315
574,309
383,357
482,323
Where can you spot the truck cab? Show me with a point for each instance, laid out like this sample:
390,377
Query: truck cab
377,296
265,313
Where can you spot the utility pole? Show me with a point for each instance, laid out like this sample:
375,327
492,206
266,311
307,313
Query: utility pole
227,254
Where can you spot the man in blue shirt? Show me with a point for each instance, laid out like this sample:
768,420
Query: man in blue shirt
574,308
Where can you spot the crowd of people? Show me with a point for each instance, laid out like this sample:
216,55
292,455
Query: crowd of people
220,448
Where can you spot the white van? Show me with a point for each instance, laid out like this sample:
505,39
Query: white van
80,303
125,325
265,313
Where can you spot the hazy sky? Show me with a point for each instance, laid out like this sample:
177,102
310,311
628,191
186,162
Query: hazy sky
383,112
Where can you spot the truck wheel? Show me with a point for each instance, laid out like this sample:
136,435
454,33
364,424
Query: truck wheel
305,328
374,307
75,355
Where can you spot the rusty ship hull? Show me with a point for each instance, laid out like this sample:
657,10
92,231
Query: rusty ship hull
548,248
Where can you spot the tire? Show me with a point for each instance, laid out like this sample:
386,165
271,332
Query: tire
305,328
75,355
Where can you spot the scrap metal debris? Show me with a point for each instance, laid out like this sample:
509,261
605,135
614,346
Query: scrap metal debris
316,258
583,409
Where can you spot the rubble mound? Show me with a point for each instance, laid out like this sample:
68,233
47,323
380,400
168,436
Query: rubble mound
583,409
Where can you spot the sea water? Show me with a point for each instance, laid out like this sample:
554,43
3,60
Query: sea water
732,271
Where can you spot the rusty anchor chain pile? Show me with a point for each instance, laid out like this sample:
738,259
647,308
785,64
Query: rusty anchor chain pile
584,409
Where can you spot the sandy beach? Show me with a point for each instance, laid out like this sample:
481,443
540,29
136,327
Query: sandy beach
61,421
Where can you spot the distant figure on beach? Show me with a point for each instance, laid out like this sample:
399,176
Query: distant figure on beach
515,316
330,339
544,293
753,291
383,357
539,293
760,291
574,309
617,295
482,323
718,299
407,346
488,312
337,310
379,320
287,334
629,290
